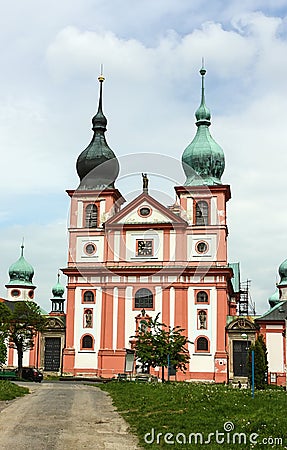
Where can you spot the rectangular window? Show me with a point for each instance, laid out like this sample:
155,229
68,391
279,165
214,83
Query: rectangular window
201,212
273,377
91,216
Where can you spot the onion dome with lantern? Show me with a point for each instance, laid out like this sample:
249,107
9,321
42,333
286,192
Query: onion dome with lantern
58,300
203,159
97,165
282,285
20,286
274,299
283,273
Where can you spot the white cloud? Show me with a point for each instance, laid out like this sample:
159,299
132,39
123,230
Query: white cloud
76,53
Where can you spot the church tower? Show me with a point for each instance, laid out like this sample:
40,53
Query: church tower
20,286
57,300
203,201
94,201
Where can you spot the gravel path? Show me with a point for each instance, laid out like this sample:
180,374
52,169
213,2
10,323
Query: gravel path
63,416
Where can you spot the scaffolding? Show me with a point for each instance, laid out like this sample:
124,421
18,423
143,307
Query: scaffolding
246,306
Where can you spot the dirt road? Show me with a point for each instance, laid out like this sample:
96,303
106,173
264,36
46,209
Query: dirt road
63,416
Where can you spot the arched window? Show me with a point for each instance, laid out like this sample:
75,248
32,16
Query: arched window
201,213
91,216
202,344
89,297
87,341
202,297
144,298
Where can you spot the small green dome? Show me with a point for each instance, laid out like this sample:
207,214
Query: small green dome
274,299
203,159
58,290
21,272
283,273
97,165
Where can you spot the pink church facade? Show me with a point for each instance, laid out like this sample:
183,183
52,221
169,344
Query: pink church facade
126,263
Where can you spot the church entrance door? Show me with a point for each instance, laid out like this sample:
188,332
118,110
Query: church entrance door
240,350
52,353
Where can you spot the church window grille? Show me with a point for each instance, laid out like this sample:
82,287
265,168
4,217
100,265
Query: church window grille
87,341
202,344
201,213
202,297
144,298
89,297
91,216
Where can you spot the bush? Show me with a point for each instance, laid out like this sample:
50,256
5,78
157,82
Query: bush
260,363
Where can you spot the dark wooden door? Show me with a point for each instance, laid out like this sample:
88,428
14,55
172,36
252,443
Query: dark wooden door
52,353
240,350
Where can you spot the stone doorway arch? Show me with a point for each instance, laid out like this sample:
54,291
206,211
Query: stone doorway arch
241,333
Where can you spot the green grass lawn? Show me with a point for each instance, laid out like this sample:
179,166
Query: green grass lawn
9,390
185,408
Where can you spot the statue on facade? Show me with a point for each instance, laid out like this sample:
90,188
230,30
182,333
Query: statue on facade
202,319
88,319
145,182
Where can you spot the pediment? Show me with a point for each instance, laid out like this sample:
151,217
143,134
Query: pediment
54,322
241,324
145,210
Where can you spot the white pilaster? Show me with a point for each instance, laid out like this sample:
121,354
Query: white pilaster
115,317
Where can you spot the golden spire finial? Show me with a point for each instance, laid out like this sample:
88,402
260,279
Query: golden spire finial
101,78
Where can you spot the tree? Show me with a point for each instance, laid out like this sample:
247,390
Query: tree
264,348
21,325
159,345
260,362
4,316
3,351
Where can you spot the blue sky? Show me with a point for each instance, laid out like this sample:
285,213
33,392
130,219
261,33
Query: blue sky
151,50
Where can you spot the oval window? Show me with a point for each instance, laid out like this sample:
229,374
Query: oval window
90,248
202,247
144,211
15,293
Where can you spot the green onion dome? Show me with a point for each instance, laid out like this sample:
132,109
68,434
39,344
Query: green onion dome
274,299
203,159
283,273
58,290
21,272
97,165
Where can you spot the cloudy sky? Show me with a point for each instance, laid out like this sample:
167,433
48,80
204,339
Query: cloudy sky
151,50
